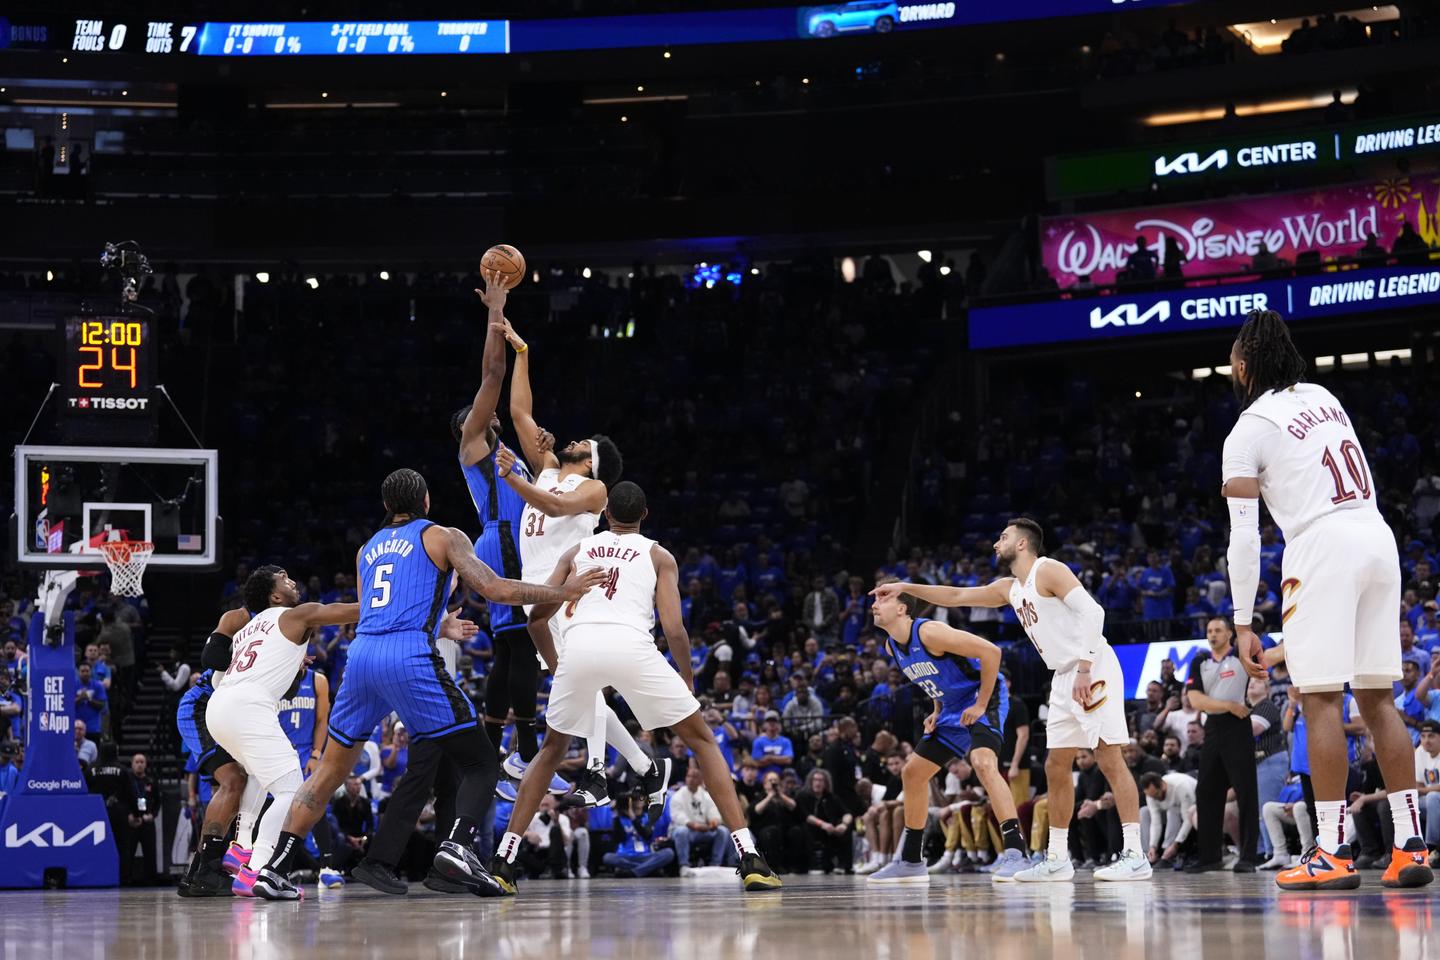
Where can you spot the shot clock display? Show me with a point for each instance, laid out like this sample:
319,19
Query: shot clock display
106,376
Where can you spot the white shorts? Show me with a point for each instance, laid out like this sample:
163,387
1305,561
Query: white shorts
605,655
1340,605
1069,725
246,723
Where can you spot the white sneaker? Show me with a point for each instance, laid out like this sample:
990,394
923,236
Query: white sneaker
1050,870
871,865
583,874
1131,865
943,865
1279,861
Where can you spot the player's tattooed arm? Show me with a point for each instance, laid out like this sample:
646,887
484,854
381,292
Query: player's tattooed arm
480,578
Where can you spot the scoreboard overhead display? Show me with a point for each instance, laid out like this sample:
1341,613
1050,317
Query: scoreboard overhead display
157,37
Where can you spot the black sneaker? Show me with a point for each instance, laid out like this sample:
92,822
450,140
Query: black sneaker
504,873
591,790
654,783
435,880
755,873
380,876
269,885
1204,866
209,881
1244,866
460,864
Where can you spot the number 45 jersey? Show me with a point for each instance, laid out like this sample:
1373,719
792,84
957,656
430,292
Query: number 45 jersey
627,596
262,659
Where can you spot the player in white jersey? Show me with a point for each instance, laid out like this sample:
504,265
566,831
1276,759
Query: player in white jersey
1087,692
608,643
562,507
268,661
1295,446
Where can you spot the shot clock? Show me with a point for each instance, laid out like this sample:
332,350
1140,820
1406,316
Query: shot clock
106,375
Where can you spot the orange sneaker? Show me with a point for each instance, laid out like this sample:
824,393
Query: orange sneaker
1408,867
1319,870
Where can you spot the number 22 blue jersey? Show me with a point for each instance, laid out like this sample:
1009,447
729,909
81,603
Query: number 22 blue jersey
401,589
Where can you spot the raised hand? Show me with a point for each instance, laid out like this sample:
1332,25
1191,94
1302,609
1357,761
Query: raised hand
545,441
504,461
458,629
579,584
494,294
508,332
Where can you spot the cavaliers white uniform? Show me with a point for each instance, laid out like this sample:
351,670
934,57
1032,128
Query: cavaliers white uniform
544,540
243,715
608,643
1063,641
1340,597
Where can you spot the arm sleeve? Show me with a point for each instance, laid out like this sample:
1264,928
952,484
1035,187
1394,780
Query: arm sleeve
1243,556
216,655
1091,614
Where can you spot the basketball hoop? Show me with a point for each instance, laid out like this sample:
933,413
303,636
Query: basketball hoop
126,560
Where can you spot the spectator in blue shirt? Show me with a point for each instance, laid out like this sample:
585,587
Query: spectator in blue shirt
1198,610
12,710
769,578
98,668
1157,587
1117,593
1412,711
772,750
12,759
854,614
729,576
1192,531
1425,621
394,759
635,854
1409,652
91,703
1271,555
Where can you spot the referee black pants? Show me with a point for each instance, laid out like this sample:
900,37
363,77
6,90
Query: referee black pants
1227,762
428,770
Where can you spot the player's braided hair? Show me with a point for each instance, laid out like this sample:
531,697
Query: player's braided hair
1271,359
259,586
403,492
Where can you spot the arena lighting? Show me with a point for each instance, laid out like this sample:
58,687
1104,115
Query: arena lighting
263,277
924,255
312,283
384,274
444,93
1137,394
585,273
1267,37
754,271
624,119
640,88
1324,363
535,276
49,276
847,270
1347,96
1200,373
945,270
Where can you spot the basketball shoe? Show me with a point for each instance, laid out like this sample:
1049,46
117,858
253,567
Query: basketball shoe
237,858
755,874
654,783
1408,867
1319,870
1050,870
900,871
1130,865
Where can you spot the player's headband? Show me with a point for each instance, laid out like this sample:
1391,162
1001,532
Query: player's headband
594,459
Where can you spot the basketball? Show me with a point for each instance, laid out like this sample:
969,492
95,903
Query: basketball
509,261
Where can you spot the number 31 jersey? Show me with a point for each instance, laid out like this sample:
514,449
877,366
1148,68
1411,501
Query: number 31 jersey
1303,447
401,589
544,540
627,598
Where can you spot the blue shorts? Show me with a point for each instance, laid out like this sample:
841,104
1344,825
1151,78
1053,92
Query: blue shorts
498,547
957,740
403,673
190,719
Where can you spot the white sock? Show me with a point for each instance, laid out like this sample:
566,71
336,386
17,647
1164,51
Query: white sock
744,842
595,743
251,802
1131,832
1059,847
1331,816
509,846
621,740
1405,814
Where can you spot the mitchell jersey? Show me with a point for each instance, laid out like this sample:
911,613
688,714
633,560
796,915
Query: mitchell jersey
494,500
628,596
1301,444
401,589
263,657
949,680
1058,633
297,714
544,540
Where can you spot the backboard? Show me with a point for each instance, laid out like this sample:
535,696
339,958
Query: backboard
68,497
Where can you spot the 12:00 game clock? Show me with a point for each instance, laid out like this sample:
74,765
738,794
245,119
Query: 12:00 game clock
106,375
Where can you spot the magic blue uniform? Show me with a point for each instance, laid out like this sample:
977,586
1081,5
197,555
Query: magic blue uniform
394,663
498,547
297,718
953,682
190,718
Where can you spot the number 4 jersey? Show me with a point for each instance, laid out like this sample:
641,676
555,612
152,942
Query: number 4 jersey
627,596
1302,446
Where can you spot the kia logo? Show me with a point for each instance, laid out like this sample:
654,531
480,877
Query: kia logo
1191,163
1128,315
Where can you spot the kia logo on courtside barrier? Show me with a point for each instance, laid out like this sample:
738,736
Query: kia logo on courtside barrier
1191,163
1128,315
36,838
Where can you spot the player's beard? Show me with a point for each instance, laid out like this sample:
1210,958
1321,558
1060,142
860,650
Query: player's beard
579,454
1005,557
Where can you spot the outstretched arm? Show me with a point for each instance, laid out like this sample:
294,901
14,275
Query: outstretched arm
995,594
589,497
522,404
940,638
473,447
457,552
295,621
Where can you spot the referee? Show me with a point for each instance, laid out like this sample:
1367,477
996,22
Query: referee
1227,757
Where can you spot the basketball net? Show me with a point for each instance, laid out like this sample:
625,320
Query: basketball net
126,560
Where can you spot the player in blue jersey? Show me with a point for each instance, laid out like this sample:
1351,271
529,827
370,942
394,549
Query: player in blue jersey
304,716
206,877
515,670
960,673
404,572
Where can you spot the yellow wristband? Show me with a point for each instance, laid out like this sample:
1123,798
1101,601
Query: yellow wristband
522,348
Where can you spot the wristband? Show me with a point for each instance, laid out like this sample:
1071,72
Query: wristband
522,348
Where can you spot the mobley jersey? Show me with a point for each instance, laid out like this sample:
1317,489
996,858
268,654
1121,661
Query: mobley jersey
297,714
401,589
1057,632
1301,444
949,679
262,657
627,597
544,540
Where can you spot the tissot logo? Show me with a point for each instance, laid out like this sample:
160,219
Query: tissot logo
56,836
109,403
1191,163
1128,315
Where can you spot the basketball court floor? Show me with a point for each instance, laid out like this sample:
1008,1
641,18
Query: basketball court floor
1213,917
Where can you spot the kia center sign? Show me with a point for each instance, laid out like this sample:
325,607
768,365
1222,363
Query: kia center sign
1224,236
1201,308
1238,157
